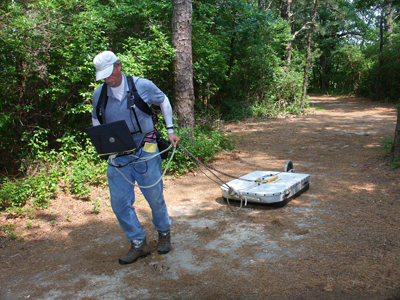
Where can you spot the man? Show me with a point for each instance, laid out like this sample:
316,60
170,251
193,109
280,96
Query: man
136,168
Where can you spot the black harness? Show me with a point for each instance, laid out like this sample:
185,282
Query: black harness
133,98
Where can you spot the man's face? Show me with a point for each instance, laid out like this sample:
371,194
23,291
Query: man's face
115,79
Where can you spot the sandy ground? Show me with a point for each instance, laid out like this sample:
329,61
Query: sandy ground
338,240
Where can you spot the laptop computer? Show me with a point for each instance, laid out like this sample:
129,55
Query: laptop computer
111,138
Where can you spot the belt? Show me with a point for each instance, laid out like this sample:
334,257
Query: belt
149,138
126,153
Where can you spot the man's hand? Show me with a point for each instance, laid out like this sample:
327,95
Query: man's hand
173,138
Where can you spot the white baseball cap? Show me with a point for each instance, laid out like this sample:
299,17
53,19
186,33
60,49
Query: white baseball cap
104,64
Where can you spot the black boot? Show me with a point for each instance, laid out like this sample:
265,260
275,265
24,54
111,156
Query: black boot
135,252
164,242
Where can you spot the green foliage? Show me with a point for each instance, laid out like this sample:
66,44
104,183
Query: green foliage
79,177
348,62
390,72
263,110
44,187
39,189
96,206
207,142
83,174
37,142
11,233
75,165
81,165
287,88
387,147
68,217
45,60
151,58
78,167
236,111
348,42
387,144
29,223
48,76
394,164
14,193
239,65
283,96
318,107
237,59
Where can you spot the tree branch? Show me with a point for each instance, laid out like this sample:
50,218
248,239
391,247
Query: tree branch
301,29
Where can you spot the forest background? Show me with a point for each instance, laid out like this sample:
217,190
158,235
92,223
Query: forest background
250,59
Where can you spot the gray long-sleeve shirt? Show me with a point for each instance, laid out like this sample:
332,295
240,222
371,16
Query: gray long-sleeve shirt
117,109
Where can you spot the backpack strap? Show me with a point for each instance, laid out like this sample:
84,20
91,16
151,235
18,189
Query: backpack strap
133,98
136,99
101,105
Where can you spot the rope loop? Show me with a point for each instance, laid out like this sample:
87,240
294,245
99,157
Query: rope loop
197,162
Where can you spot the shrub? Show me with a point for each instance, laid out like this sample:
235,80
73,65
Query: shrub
14,193
207,142
77,165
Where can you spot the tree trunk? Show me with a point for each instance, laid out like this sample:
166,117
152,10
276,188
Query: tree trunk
308,57
323,72
286,15
21,79
285,10
306,68
389,20
289,51
232,59
389,25
378,73
183,67
395,152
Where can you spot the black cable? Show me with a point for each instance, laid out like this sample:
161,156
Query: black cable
193,158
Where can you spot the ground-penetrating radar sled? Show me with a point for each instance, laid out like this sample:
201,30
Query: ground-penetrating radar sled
267,187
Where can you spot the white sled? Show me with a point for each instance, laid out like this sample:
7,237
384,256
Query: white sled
269,187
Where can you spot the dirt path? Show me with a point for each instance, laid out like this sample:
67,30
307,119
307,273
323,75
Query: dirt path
339,240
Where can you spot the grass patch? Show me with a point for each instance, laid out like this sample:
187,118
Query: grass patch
317,107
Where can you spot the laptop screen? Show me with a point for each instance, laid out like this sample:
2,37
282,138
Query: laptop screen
111,138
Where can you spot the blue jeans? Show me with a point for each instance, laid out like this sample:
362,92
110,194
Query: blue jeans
123,195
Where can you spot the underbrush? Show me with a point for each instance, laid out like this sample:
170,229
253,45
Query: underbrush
205,144
75,168
238,111
386,149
